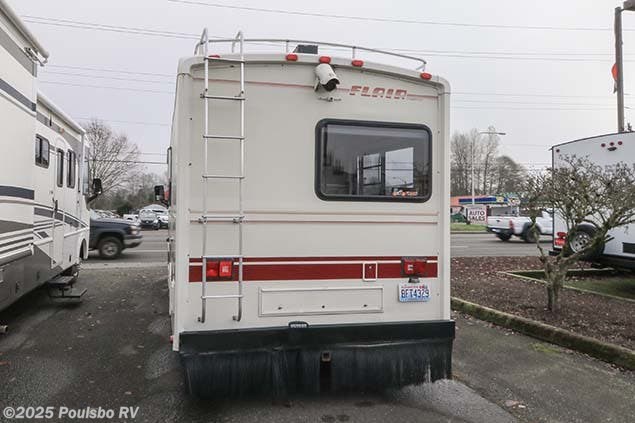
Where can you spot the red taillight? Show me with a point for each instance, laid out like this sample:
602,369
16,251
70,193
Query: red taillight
611,143
214,56
413,266
426,76
292,57
559,242
216,269
619,143
357,62
603,145
325,59
562,235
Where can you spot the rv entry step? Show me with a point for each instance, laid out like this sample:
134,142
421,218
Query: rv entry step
61,288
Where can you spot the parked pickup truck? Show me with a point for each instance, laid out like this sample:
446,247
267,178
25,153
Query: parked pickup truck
506,226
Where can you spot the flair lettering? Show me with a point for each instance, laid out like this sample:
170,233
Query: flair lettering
378,92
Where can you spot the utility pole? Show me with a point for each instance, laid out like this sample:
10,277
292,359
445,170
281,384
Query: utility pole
619,65
619,61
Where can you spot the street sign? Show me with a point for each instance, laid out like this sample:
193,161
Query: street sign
477,214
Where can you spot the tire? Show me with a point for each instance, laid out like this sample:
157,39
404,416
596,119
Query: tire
504,237
530,236
110,248
581,237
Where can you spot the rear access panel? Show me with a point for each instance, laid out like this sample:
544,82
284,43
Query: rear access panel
322,300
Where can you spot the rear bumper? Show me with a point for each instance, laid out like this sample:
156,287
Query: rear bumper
316,358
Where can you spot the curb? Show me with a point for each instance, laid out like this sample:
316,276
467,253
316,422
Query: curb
605,351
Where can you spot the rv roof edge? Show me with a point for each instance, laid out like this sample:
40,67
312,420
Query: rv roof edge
67,119
24,31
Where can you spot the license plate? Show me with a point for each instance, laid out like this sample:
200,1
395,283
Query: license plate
413,292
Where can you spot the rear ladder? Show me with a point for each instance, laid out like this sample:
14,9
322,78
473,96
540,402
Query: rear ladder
206,217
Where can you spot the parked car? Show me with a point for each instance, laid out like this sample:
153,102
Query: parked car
111,236
164,220
504,227
149,219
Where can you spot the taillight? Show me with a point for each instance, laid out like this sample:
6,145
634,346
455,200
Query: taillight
358,63
511,224
325,59
219,269
292,57
413,266
560,240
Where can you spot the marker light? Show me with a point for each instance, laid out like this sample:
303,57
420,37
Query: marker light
292,57
325,59
425,75
357,62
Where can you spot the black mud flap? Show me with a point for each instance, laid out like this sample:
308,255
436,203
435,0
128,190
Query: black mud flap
336,358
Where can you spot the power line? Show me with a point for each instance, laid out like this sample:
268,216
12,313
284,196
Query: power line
433,53
107,77
390,20
106,87
127,161
99,69
123,121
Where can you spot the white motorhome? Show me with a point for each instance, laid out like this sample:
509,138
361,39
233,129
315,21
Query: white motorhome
603,150
309,236
43,216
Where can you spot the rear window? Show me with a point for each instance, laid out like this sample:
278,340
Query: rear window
373,161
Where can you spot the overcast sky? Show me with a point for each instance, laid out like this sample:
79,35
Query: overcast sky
541,86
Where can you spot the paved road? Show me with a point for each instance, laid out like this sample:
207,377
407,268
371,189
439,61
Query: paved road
112,351
474,245
153,249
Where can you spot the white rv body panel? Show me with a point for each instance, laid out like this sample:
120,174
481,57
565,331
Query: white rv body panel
32,250
284,216
604,150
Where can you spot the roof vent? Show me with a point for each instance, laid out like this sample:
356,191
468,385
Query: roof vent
306,48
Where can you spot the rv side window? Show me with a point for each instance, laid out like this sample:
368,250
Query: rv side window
60,168
42,151
373,161
72,166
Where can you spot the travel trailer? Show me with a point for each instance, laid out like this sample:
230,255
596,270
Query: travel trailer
603,150
309,243
43,215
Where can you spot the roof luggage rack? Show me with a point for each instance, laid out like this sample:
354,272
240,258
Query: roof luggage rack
288,43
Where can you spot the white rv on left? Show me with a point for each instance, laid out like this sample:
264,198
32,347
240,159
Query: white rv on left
43,216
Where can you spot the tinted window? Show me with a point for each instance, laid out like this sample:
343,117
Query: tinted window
371,161
42,151
72,169
60,168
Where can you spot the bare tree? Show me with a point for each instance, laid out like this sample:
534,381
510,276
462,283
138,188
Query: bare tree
591,200
112,156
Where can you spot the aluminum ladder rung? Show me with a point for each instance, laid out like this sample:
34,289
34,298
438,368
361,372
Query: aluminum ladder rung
223,97
217,176
224,59
222,218
216,297
223,137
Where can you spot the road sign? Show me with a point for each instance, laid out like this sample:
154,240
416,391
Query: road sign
477,214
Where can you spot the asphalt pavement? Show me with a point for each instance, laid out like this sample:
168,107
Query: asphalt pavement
113,351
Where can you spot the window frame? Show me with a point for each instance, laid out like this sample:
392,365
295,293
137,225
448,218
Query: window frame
368,198
71,173
59,175
39,141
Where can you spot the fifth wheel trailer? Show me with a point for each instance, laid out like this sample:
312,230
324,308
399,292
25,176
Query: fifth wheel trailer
309,240
603,150
43,215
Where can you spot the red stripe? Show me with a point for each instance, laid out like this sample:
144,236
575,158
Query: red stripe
314,271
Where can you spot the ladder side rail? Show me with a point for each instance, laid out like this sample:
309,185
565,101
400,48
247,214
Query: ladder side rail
239,314
205,164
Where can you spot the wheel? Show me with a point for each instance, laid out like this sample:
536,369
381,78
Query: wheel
530,235
504,237
581,238
109,248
